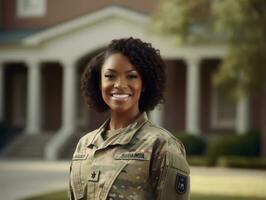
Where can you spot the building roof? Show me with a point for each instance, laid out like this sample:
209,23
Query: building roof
19,34
14,36
71,10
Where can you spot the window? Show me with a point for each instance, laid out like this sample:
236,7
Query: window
30,8
223,110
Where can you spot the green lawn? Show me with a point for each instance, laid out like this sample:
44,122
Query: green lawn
218,197
62,195
211,184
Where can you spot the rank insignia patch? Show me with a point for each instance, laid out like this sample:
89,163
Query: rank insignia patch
94,176
181,183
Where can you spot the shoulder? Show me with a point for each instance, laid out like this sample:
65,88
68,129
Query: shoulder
168,146
89,136
85,140
163,136
155,130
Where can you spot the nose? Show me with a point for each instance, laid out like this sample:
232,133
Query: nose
120,83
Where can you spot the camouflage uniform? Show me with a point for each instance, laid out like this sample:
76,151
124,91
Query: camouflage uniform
143,162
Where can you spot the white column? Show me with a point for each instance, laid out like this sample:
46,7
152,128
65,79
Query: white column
69,110
193,95
243,116
2,87
34,98
156,115
69,96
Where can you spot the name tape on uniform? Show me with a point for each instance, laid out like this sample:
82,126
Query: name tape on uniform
132,156
80,156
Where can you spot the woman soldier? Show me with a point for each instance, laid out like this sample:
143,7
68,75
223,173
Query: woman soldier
128,157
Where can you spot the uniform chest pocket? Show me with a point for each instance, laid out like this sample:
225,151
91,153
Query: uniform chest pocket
77,180
133,177
139,161
122,166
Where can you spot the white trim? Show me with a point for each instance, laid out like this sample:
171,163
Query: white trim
81,36
112,11
30,8
243,116
193,95
69,111
34,97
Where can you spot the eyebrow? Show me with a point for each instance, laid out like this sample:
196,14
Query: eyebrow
131,70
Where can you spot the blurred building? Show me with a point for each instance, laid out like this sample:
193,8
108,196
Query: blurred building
44,47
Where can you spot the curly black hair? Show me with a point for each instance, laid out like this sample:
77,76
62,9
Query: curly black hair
148,63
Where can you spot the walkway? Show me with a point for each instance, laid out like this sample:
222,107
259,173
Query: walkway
19,179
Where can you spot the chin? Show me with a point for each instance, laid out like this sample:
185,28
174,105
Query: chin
120,110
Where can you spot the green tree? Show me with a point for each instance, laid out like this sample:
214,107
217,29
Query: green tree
239,24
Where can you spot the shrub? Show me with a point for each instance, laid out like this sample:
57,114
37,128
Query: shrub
3,135
197,161
3,129
241,162
234,145
195,145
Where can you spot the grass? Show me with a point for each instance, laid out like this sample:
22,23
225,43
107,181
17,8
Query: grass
62,195
244,183
210,184
220,197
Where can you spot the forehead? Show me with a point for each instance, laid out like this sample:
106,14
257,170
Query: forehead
117,62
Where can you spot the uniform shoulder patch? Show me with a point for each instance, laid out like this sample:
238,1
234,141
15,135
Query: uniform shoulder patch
181,183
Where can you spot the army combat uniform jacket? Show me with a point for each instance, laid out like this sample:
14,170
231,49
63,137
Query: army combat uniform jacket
143,162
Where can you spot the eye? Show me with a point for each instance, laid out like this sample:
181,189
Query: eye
132,76
109,76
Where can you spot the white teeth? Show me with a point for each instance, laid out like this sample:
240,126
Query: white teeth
120,96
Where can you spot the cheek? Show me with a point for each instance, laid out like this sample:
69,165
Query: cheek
104,89
103,85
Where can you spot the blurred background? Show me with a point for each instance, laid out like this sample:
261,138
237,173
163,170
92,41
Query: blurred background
216,81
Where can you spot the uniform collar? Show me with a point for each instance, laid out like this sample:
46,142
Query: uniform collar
122,138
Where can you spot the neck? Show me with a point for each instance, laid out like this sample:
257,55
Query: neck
121,120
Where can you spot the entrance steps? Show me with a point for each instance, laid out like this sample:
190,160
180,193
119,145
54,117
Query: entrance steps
70,146
27,146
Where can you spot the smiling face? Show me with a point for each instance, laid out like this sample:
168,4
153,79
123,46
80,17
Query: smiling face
121,84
